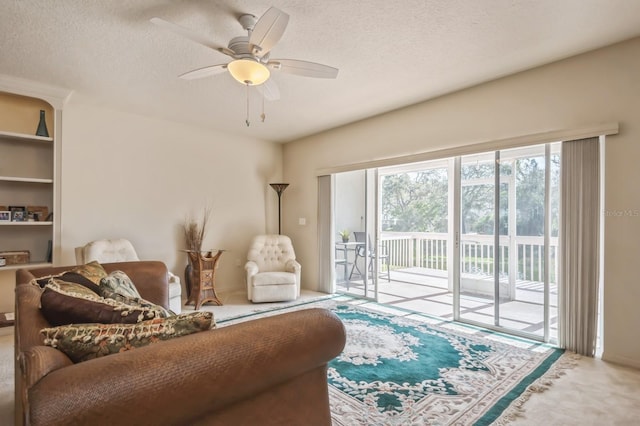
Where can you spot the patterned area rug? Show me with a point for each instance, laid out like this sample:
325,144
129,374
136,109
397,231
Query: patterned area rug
412,369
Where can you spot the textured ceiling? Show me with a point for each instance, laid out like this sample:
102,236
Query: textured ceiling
391,53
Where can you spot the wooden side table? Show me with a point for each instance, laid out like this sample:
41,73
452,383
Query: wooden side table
203,277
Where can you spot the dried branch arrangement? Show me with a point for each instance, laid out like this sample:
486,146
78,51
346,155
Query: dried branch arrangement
195,231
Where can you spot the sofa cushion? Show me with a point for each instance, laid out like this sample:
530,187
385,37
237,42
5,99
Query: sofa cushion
92,271
82,342
71,277
88,275
67,303
118,286
118,282
138,301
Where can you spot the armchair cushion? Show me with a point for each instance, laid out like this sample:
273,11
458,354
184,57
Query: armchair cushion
82,342
274,278
67,303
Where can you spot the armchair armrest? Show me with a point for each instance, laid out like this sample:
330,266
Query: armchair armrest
251,267
173,278
191,377
292,266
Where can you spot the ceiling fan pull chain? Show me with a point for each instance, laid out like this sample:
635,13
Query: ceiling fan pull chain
247,119
263,116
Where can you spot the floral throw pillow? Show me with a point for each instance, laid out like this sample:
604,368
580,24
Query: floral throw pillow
82,342
118,282
92,271
64,302
119,287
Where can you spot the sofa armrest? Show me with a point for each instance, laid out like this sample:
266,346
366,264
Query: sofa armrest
184,379
38,361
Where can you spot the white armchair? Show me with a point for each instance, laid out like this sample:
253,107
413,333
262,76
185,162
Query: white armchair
273,274
121,250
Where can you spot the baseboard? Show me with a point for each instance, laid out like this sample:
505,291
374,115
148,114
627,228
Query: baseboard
621,360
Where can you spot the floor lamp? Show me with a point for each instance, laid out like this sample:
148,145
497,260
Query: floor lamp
279,188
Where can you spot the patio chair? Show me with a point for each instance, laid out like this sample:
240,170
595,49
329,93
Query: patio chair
374,254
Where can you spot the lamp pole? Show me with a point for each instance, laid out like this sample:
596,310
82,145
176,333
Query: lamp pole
279,188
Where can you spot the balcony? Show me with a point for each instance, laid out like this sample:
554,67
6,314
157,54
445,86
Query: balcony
419,277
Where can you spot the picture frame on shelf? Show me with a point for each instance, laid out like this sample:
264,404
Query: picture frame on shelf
5,216
18,213
37,213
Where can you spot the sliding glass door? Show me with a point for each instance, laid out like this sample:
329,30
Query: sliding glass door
473,238
508,238
477,290
356,224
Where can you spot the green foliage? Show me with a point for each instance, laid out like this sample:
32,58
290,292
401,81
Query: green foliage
418,201
415,201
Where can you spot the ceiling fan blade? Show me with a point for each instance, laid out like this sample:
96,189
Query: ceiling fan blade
204,72
269,90
191,35
268,30
303,68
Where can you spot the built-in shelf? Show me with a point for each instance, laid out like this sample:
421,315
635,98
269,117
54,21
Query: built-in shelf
24,179
29,265
26,223
24,137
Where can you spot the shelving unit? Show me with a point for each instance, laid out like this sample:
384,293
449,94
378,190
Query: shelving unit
21,179
27,164
26,223
30,173
23,137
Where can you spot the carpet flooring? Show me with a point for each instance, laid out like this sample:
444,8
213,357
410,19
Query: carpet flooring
396,371
593,393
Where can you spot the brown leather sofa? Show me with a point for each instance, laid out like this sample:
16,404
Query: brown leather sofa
270,371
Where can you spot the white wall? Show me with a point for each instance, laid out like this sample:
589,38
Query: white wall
130,176
598,87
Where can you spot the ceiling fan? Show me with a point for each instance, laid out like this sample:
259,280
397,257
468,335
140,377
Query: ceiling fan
251,64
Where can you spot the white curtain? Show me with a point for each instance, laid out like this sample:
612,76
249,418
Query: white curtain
579,245
326,243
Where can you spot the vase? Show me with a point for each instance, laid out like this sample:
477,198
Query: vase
345,239
42,126
188,273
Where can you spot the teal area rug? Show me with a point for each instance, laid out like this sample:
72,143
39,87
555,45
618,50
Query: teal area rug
399,368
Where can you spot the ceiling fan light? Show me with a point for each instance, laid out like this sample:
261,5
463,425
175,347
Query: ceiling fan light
247,71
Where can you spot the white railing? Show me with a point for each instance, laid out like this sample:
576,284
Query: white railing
429,250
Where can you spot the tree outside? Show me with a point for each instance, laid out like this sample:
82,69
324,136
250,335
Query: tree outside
417,201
